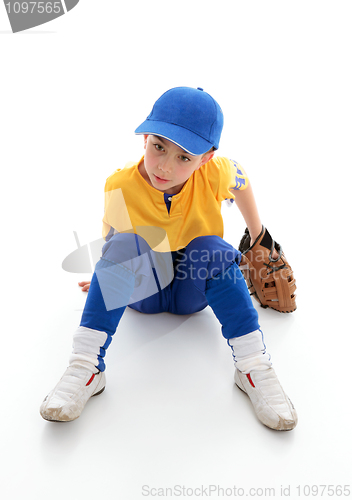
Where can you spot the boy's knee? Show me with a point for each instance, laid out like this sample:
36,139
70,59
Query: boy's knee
123,247
212,249
209,242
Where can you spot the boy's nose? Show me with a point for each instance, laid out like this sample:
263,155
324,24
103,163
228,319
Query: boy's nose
165,167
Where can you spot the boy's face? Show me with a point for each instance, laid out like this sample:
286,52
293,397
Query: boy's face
168,166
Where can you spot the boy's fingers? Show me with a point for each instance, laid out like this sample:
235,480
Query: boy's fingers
85,285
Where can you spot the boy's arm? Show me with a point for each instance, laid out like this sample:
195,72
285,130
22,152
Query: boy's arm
246,203
268,275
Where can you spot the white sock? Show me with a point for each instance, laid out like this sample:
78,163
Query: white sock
86,347
249,352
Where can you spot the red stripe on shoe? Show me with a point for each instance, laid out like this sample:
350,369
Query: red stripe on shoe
92,378
250,379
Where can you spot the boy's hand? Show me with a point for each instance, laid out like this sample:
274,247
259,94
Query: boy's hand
85,285
275,254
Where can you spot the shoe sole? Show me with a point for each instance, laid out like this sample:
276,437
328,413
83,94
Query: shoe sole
66,421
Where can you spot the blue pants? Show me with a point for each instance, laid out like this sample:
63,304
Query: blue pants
206,272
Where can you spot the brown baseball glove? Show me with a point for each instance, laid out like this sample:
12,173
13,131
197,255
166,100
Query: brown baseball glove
269,280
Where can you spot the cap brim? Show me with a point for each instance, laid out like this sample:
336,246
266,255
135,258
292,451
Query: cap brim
185,139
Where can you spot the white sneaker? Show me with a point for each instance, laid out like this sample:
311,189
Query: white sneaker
273,408
67,400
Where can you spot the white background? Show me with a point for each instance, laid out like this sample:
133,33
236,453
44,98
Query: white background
72,93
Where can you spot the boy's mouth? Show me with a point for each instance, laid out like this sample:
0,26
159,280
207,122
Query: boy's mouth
160,180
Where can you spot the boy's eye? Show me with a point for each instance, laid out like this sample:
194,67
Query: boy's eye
184,159
158,147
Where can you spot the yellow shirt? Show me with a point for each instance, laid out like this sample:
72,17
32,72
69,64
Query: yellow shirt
132,205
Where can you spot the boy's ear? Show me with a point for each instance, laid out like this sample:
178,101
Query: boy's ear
145,140
207,157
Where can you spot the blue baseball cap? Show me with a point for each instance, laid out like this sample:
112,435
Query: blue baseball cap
190,118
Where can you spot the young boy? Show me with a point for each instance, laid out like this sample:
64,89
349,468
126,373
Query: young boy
164,251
